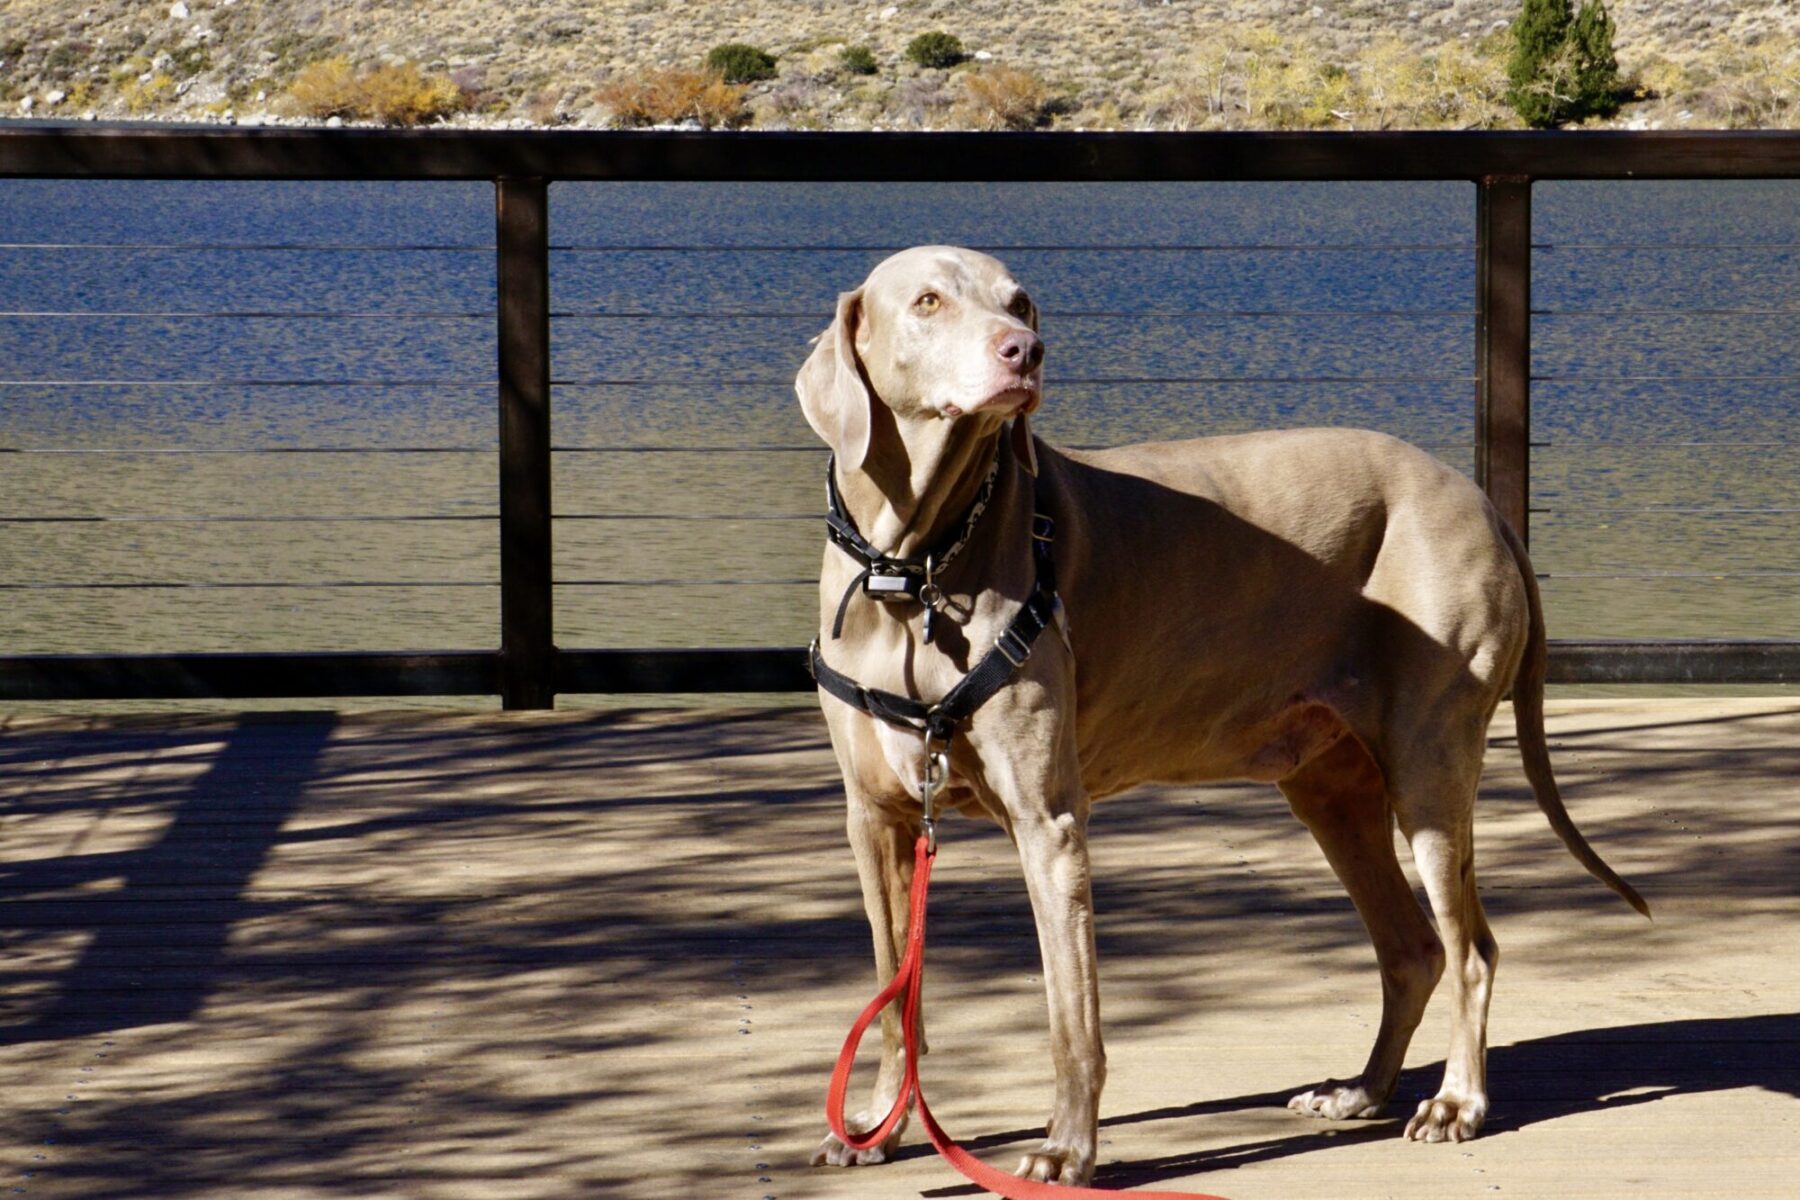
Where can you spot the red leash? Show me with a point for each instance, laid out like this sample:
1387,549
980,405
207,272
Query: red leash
906,982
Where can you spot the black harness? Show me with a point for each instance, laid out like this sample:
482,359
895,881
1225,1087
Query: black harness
912,580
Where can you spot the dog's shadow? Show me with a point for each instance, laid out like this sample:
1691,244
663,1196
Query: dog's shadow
1545,1079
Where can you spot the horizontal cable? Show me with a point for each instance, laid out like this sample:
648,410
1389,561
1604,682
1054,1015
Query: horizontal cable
821,449
1665,312
755,248
1048,314
248,450
813,449
823,314
210,519
776,381
1668,574
128,451
812,516
1781,378
247,315
686,583
858,248
1083,380
735,583
1653,510
330,247
1665,245
277,585
1643,443
248,382
1066,248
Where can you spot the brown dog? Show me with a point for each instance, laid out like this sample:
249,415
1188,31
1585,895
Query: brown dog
1331,611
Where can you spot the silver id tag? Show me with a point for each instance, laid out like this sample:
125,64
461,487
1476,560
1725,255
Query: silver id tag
888,587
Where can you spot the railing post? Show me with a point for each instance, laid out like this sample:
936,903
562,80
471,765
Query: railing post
1503,345
522,275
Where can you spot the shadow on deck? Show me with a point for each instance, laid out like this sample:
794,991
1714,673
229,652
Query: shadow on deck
612,955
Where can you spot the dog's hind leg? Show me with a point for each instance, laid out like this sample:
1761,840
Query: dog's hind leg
883,845
1434,801
1341,797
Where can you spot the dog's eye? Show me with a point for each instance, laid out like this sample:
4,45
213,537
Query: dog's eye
1020,306
927,304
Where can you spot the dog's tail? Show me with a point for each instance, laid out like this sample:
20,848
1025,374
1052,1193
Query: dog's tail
1528,718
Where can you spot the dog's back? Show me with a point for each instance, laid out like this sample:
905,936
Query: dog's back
1327,565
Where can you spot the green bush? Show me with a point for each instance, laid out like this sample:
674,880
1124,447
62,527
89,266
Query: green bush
936,49
1596,67
1562,66
858,60
735,62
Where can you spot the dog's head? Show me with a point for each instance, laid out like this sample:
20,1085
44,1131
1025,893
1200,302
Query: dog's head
935,333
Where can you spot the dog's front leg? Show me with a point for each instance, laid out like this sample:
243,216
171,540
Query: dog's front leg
882,843
1052,842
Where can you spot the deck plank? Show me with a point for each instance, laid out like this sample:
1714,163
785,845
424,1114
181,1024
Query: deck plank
580,954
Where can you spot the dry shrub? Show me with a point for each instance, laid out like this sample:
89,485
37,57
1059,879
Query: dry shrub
1256,77
1006,98
1658,77
325,89
1469,84
403,95
673,96
1453,85
395,95
922,102
799,102
1750,86
147,94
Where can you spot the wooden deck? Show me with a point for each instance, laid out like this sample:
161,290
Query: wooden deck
585,955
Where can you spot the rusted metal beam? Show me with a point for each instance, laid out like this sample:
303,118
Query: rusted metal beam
527,608
1503,346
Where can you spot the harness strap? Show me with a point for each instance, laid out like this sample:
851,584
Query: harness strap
906,985
1008,654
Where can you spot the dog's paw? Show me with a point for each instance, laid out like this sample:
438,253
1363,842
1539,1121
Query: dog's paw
832,1152
1055,1162
1338,1101
1446,1118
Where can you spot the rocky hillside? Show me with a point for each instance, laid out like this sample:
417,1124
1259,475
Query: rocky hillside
1067,63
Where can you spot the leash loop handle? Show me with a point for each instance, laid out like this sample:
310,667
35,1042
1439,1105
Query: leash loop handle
906,980
906,984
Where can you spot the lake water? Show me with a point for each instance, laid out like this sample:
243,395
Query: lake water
219,383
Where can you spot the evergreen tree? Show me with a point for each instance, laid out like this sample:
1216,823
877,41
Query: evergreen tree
1596,67
1538,37
1562,65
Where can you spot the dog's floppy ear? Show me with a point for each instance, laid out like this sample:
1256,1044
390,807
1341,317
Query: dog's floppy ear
833,394
1023,449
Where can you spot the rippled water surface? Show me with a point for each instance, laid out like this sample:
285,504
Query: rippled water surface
287,389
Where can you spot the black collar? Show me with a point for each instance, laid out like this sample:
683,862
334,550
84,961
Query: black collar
889,577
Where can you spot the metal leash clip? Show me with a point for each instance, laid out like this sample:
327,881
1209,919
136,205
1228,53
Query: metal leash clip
937,774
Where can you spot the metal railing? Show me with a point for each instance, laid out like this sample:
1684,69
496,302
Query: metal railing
529,669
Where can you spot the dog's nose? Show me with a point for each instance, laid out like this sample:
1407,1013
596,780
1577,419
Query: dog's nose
1020,349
